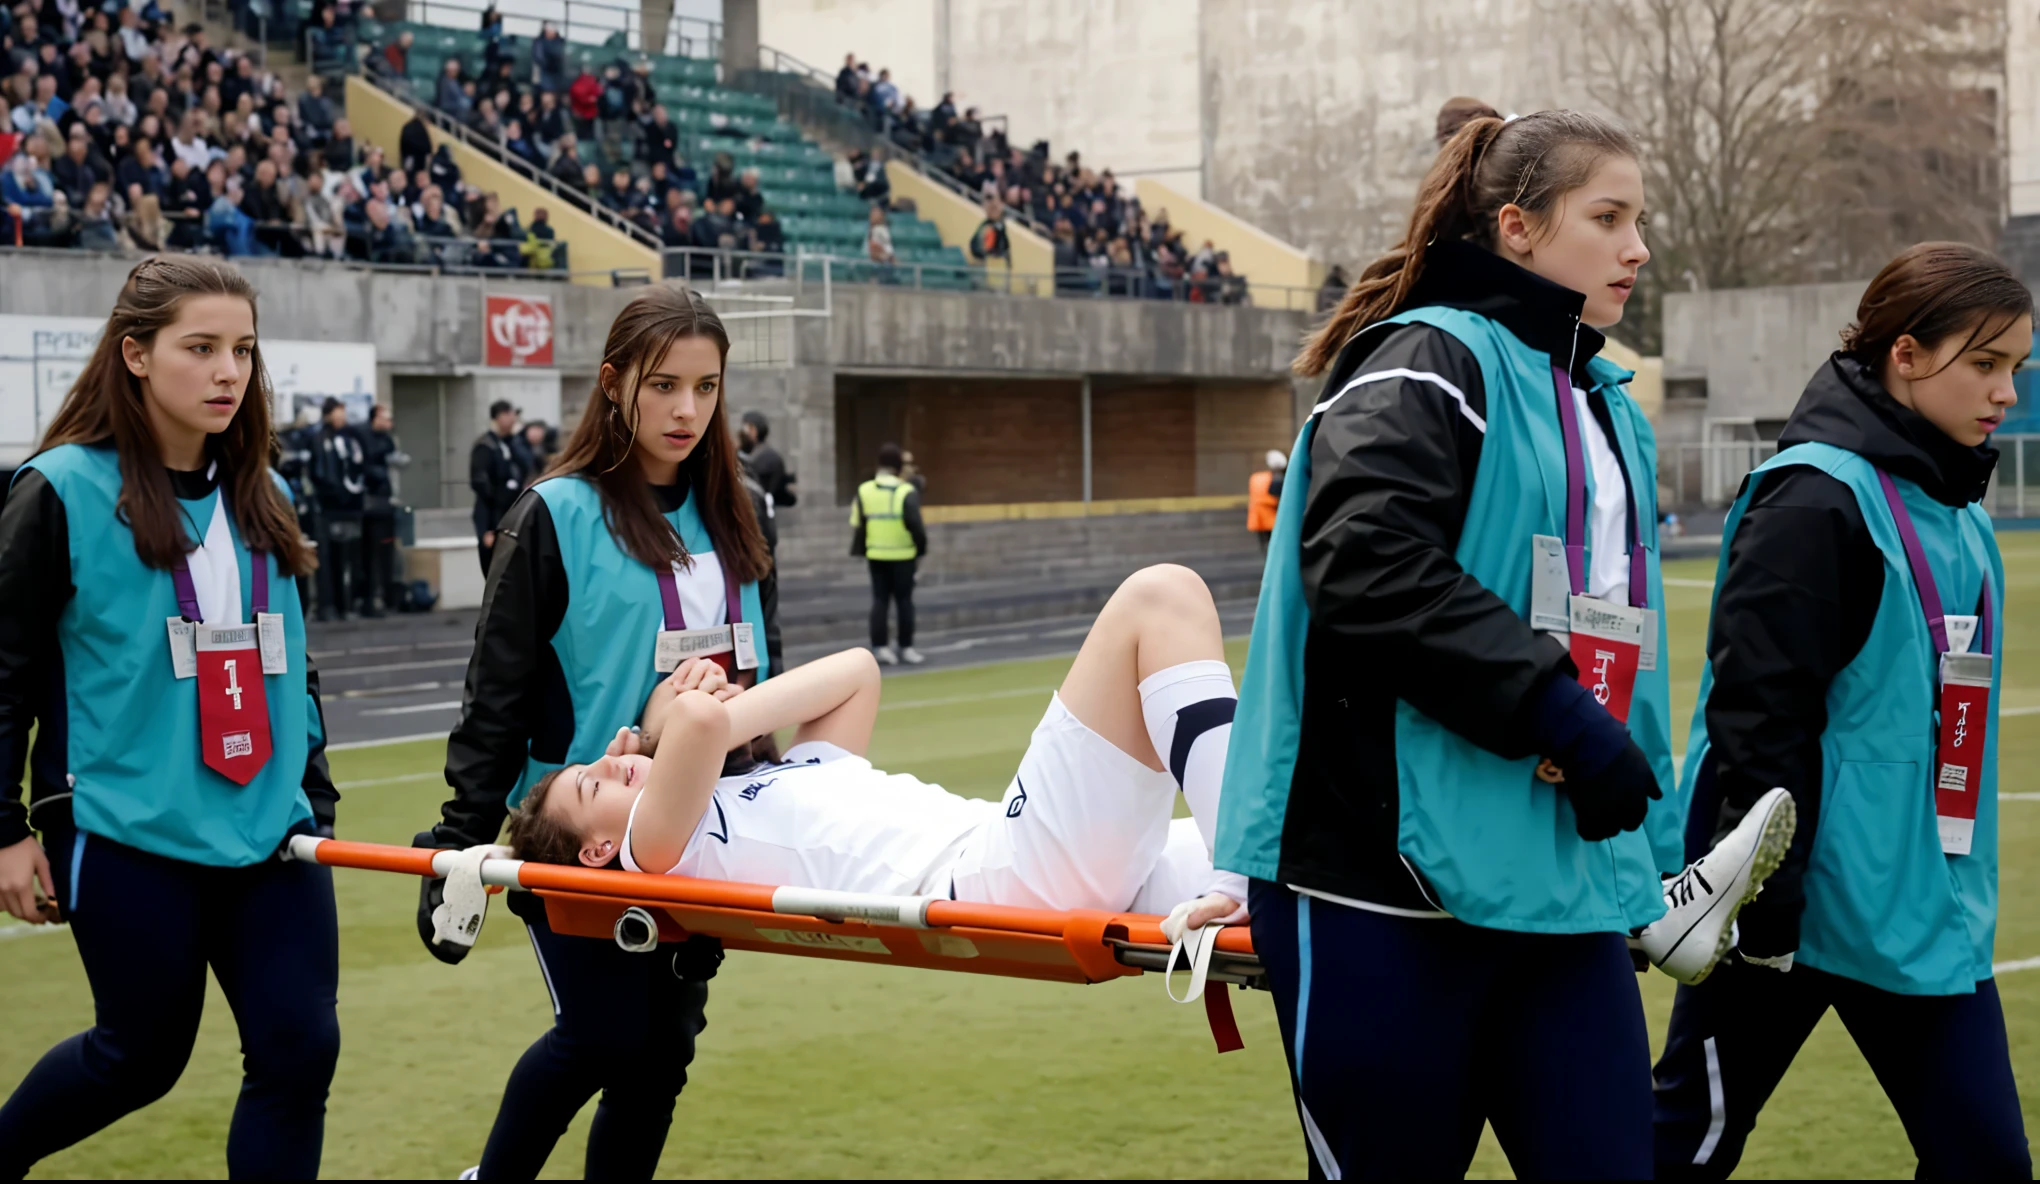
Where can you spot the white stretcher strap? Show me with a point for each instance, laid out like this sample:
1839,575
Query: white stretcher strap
1195,946
871,907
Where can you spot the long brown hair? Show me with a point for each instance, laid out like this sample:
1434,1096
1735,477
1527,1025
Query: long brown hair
1931,292
1529,162
600,448
105,403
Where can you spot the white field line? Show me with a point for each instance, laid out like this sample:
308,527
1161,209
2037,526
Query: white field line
2016,966
413,709
957,700
1678,582
351,745
371,782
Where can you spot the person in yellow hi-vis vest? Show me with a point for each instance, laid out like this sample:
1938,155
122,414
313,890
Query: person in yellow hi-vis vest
891,537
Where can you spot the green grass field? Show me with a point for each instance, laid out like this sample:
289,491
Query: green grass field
813,1068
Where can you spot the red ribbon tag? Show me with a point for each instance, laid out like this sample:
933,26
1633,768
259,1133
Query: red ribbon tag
233,711
1225,1030
1958,760
1607,647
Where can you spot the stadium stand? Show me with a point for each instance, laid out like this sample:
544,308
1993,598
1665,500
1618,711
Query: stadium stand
1105,242
126,131
652,140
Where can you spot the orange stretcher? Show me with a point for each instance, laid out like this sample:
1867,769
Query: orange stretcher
639,911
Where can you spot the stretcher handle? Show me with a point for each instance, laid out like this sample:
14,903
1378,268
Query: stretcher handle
910,911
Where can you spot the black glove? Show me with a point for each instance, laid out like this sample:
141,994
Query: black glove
1613,798
1607,777
431,894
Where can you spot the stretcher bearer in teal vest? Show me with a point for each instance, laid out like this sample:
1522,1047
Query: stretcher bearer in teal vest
150,630
1854,659
1449,775
638,551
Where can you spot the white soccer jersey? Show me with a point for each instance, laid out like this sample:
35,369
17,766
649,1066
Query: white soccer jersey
826,819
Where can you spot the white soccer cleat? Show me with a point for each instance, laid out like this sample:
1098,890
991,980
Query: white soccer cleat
912,656
886,656
1701,902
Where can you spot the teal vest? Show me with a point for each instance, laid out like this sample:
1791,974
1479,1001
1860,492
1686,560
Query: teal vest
1497,844
1884,906
606,638
131,730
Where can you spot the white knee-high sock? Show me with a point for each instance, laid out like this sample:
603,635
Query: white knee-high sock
1189,713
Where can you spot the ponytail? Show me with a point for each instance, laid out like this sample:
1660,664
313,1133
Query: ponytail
1489,163
1444,207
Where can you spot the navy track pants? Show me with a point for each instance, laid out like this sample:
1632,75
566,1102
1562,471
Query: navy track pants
1405,1034
147,927
1942,1059
623,1025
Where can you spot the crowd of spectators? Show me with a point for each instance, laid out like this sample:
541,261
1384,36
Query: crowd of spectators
1105,242
604,138
122,131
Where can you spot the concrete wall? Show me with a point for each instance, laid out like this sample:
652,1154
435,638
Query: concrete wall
432,326
1754,347
890,330
1319,113
2022,105
1116,80
899,35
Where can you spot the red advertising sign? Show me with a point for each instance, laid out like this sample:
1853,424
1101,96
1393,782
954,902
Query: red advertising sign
518,331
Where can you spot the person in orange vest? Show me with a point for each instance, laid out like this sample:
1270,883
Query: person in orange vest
1264,492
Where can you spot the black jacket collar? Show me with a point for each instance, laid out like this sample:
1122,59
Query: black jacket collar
1543,315
1845,405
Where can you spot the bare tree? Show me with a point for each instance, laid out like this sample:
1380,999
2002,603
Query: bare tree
1792,141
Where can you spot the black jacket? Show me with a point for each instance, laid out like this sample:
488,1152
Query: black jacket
338,475
1392,614
516,697
1795,606
769,468
497,473
35,585
376,450
414,145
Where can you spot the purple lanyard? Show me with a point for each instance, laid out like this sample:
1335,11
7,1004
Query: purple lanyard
187,594
669,596
1923,576
1576,503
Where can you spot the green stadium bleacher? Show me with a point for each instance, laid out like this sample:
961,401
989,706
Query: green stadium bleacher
796,175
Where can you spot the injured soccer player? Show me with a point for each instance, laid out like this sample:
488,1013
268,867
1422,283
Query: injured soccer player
1145,713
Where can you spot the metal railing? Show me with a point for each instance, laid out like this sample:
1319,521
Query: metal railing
1711,473
718,266
618,277
1708,473
248,18
585,21
2015,487
807,95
